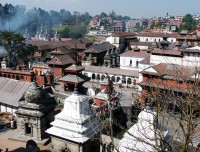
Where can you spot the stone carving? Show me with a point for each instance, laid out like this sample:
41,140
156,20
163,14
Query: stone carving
34,94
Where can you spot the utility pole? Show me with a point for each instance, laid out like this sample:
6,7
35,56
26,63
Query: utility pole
110,107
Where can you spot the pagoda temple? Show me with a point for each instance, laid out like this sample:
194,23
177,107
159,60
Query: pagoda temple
73,77
76,128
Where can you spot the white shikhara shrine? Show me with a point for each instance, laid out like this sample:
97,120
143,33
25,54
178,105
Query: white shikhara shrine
77,122
143,136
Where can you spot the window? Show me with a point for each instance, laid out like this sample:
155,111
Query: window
98,77
113,78
137,62
147,40
118,79
129,80
93,76
130,62
17,77
102,77
179,82
134,81
28,129
123,79
115,41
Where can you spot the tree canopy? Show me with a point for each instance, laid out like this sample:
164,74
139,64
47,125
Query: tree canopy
189,23
15,46
17,18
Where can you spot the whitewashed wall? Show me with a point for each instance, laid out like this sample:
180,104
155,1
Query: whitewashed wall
142,47
5,108
152,39
113,40
125,62
157,59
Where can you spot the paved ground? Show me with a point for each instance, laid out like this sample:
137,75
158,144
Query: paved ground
14,146
171,122
128,95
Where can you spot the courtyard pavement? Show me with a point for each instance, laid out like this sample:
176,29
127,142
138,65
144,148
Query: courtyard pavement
14,146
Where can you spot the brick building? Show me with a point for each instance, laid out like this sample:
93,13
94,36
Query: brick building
73,77
58,63
168,82
191,39
21,75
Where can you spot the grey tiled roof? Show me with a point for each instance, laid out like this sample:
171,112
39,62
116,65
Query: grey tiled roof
75,78
62,60
131,53
114,71
98,48
11,91
145,60
74,67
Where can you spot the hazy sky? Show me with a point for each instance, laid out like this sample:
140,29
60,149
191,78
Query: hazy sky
132,8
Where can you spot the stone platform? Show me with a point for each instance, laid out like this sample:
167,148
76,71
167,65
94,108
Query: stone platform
16,146
21,138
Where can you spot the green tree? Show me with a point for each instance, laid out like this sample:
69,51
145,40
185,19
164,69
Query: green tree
113,15
15,46
189,23
65,32
103,14
25,54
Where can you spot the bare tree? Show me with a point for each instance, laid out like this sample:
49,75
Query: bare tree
174,93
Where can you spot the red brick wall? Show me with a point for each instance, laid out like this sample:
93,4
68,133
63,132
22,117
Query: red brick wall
40,80
99,101
104,86
21,77
57,72
167,83
49,79
143,96
28,78
145,78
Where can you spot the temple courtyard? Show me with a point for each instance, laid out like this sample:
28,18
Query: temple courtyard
15,146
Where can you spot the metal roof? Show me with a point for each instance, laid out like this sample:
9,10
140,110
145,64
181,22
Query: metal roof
75,78
11,91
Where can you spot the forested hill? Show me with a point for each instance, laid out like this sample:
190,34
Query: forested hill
18,18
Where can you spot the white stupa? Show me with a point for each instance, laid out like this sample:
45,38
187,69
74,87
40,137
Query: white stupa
141,137
77,122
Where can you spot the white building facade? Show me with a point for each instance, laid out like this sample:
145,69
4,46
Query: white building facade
155,37
130,60
118,76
